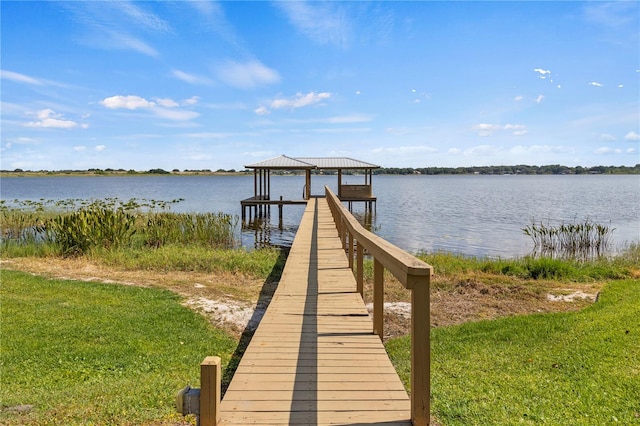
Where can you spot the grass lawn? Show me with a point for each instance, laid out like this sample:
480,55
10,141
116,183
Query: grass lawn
578,368
90,353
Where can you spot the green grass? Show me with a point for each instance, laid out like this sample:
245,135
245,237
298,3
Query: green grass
580,368
90,353
621,266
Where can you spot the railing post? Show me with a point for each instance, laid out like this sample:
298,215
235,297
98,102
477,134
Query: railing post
351,250
420,353
210,378
360,268
378,298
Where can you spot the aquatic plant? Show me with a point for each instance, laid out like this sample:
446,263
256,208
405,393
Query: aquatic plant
570,240
90,227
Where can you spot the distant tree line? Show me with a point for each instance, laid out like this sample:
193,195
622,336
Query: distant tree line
554,169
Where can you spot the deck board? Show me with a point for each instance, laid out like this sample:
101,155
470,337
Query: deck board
313,359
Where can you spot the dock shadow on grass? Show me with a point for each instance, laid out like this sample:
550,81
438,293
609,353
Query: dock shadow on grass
266,294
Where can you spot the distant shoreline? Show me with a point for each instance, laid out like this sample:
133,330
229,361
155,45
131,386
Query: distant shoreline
429,171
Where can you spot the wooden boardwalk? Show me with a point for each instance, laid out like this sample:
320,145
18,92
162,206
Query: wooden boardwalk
313,359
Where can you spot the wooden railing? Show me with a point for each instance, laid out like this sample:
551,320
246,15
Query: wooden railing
413,273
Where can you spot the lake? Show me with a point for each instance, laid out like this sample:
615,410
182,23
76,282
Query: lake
473,215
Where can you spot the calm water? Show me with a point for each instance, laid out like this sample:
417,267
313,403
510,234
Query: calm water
472,215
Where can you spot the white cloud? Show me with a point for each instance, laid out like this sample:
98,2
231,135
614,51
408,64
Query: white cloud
605,150
129,42
454,151
25,141
485,129
482,150
49,118
515,127
539,149
539,98
79,148
191,78
127,102
111,25
100,147
192,100
162,107
611,14
167,103
595,84
175,114
323,22
632,136
518,98
301,100
247,75
542,73
20,78
141,17
262,110
518,129
607,137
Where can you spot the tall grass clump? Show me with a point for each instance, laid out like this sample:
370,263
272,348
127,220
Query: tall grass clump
570,240
205,229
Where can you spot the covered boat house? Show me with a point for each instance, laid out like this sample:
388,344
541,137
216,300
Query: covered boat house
349,193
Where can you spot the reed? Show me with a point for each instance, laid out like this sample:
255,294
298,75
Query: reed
216,230
583,240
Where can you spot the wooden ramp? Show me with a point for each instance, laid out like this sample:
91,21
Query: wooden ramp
314,359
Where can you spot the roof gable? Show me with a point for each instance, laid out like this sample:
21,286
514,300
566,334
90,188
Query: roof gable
281,162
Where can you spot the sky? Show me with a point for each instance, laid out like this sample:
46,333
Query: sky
197,84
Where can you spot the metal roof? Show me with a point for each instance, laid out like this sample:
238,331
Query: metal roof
284,162
338,163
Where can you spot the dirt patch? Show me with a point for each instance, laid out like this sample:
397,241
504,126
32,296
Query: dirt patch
236,303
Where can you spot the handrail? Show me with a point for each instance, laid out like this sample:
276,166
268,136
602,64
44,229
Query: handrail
414,274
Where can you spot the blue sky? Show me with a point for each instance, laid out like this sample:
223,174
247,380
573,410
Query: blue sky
210,85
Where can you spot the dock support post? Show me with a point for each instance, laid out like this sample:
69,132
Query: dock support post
210,385
280,214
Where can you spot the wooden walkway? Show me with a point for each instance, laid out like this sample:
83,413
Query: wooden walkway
313,359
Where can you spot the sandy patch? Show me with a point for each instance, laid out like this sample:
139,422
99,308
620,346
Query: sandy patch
572,297
402,309
230,313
